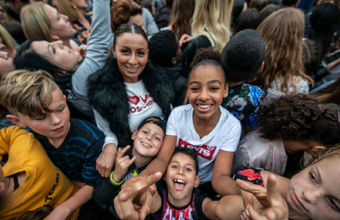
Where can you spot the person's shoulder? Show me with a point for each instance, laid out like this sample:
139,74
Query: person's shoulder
182,109
85,130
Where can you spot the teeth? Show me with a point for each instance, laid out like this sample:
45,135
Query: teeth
179,181
204,106
131,69
146,145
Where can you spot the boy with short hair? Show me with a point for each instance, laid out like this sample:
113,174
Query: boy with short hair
34,100
241,58
178,197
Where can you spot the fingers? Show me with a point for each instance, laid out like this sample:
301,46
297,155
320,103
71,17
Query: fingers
139,184
249,187
121,151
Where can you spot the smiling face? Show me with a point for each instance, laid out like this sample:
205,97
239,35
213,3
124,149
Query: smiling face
314,192
147,140
62,56
54,125
181,178
131,51
60,28
206,90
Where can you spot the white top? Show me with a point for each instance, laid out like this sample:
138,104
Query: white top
141,104
225,136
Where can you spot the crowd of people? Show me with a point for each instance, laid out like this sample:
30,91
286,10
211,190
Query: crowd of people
169,109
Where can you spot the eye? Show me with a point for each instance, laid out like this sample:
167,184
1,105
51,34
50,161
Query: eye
333,204
124,51
61,108
140,54
158,138
174,166
312,177
214,88
188,169
194,89
145,131
40,118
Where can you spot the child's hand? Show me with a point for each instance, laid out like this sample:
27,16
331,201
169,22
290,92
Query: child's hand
106,160
122,164
275,206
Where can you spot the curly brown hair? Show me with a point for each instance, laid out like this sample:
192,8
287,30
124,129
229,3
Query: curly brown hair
121,11
300,117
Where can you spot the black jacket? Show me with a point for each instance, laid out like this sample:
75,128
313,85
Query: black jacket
107,94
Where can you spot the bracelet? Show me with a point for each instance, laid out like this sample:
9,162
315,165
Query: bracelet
114,182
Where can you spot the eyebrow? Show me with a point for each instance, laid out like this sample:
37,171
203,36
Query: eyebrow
209,82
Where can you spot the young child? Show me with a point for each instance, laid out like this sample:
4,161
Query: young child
241,58
313,193
204,126
35,101
289,126
28,178
130,161
177,197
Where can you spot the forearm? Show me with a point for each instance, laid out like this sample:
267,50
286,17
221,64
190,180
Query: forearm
225,185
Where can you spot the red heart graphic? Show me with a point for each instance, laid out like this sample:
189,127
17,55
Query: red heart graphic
133,99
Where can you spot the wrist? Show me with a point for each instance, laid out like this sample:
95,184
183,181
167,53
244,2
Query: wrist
115,179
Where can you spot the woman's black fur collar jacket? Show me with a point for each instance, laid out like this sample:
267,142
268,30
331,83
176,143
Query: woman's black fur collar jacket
107,94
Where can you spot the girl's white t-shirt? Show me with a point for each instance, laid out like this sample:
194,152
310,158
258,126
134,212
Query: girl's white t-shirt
225,136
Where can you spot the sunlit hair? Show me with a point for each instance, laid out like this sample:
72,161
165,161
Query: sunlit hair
27,92
7,38
35,22
121,11
66,7
212,19
282,33
329,94
181,16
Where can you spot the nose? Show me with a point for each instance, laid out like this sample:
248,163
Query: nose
54,119
133,59
311,195
65,17
203,95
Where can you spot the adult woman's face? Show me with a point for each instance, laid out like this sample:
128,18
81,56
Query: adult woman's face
61,28
131,51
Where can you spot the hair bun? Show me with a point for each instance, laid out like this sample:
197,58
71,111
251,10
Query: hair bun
206,54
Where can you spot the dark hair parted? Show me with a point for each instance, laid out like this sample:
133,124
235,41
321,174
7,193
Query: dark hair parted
299,117
121,11
129,28
191,152
207,56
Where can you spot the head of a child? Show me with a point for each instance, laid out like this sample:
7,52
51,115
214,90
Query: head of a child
148,138
164,48
34,100
182,176
243,55
314,192
299,119
207,85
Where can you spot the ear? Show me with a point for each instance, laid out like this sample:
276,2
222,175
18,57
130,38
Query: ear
15,120
174,60
197,181
134,135
314,151
54,35
226,90
261,67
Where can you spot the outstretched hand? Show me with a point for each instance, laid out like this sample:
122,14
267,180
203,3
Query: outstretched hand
122,164
275,207
136,195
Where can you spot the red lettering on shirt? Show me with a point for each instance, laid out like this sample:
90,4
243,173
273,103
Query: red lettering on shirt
203,151
140,102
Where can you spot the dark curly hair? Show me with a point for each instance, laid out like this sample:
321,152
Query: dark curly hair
121,11
300,117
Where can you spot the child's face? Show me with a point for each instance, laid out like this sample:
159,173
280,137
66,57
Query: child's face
314,192
206,91
148,140
54,125
181,178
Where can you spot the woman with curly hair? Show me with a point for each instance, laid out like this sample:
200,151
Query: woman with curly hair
289,126
283,72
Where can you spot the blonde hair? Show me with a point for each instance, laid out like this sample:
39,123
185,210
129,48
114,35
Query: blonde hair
7,38
329,152
27,92
65,7
35,22
212,19
282,33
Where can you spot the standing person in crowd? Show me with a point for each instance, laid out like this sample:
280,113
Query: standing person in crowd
81,20
36,102
128,88
65,64
29,179
41,21
289,126
283,71
210,28
7,52
205,126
